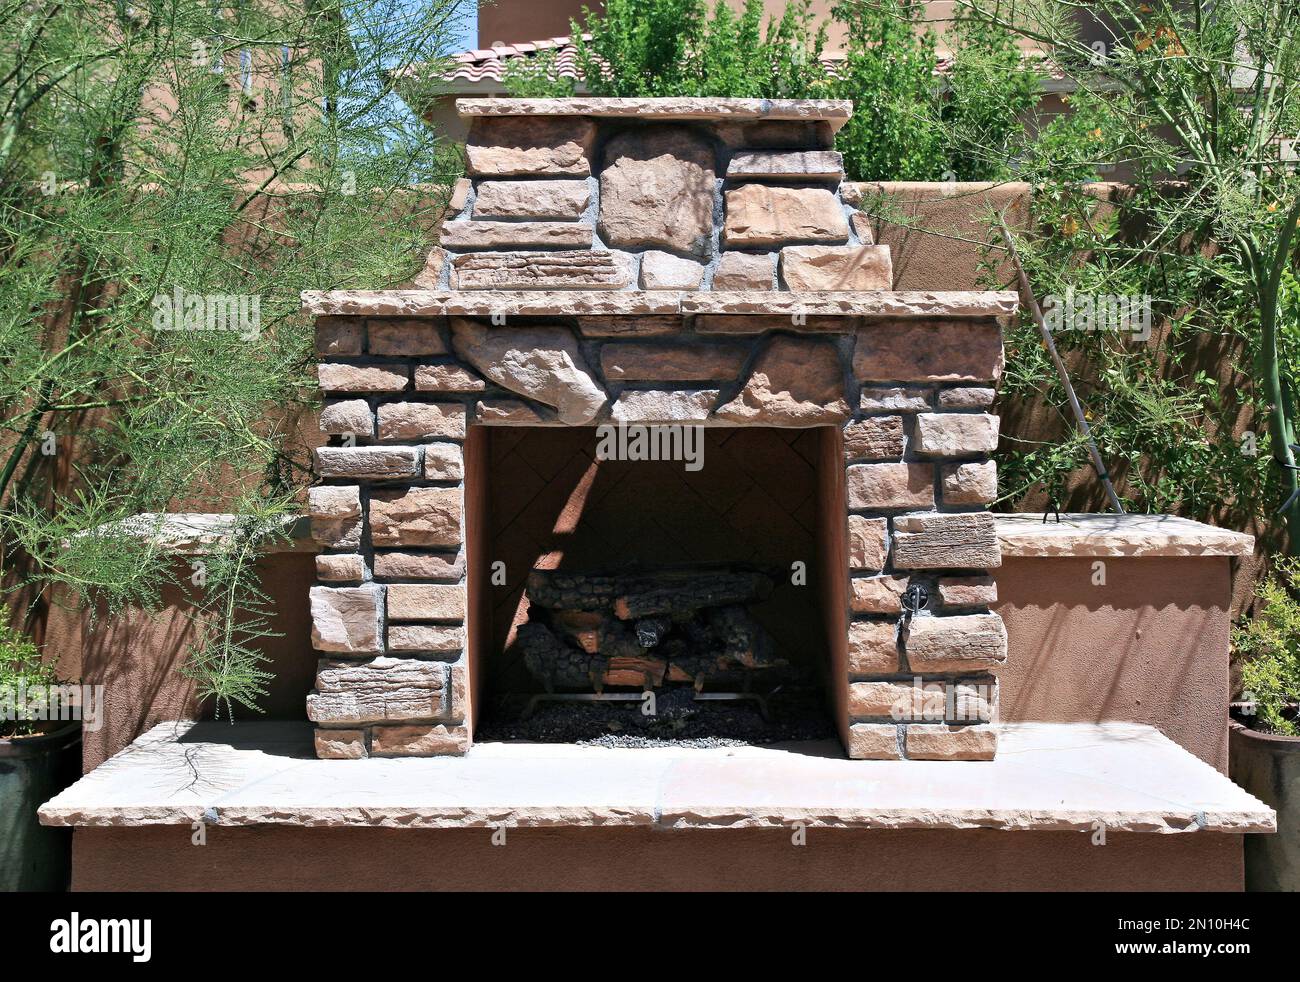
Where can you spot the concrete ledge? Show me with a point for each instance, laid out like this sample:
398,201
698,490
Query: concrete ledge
1083,535
559,303
1047,777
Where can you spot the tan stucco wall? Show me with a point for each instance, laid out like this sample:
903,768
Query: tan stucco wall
273,858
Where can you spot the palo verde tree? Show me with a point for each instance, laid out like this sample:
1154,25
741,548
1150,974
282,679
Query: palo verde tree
172,174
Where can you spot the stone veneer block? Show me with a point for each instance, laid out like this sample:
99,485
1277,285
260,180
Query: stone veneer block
894,399
877,594
415,517
868,542
660,406
649,361
934,351
346,619
873,648
419,566
748,324
790,165
434,740
967,591
421,421
970,483
337,533
565,270
956,434
896,700
340,744
759,215
338,337
341,377
425,637
931,742
629,327
744,271
542,200
794,381
939,541
340,568
471,235
444,462
347,417
874,438
447,378
897,485
426,602
405,337
334,502
963,643
509,412
854,267
378,690
376,463
965,397
860,222
873,741
505,146
664,271
656,191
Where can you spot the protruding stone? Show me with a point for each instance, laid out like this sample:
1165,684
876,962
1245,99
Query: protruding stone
342,377
563,200
447,378
543,363
929,351
877,594
873,648
939,541
966,397
345,568
968,591
664,271
759,215
416,517
664,406
873,741
874,438
894,399
378,690
504,146
568,270
970,484
965,643
956,434
827,268
346,619
376,463
794,382
419,566
926,741
868,542
444,462
347,417
744,271
657,191
472,235
406,337
896,485
435,740
426,637
789,165
340,744
649,361
426,602
421,421
334,502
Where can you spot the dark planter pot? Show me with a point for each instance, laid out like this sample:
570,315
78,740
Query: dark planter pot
32,771
1268,766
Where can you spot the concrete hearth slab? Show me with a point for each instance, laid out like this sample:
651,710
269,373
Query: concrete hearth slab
1117,535
1046,777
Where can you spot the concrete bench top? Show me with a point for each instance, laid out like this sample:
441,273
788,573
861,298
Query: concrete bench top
1047,776
1117,535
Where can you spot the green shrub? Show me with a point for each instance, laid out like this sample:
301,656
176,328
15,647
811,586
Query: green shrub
21,669
1269,649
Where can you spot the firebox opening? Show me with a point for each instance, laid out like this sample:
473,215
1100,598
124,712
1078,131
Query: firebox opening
704,581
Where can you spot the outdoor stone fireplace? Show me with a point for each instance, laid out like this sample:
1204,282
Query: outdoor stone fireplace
617,268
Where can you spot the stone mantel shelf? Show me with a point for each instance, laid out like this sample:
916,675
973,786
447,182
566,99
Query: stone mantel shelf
1047,777
1087,535
835,112
559,303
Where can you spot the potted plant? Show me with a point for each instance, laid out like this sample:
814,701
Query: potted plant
39,757
1264,740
